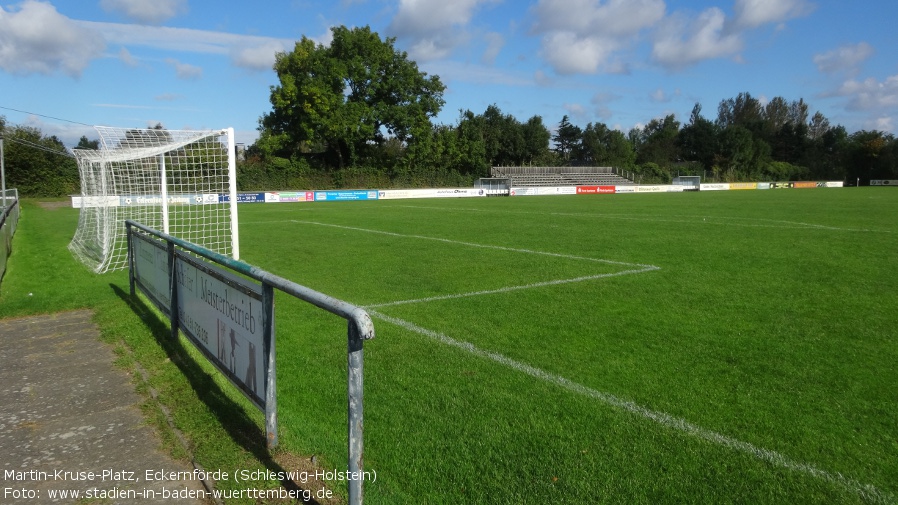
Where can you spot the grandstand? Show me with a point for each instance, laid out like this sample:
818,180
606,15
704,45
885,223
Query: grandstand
562,176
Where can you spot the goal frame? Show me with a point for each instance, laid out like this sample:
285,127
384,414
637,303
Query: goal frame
183,182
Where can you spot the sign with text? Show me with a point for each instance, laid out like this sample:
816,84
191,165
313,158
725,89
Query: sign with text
595,190
344,196
221,313
151,270
242,198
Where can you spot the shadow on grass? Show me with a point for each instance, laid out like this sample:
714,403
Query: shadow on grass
230,415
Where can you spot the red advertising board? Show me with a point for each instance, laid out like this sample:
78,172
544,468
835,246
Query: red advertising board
595,190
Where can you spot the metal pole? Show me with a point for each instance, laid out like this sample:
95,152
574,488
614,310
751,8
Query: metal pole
354,390
173,290
2,174
268,336
232,192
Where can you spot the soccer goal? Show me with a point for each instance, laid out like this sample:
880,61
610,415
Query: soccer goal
181,182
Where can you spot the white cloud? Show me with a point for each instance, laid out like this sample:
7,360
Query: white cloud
127,58
542,79
433,28
450,71
246,51
494,44
870,94
168,97
577,111
570,54
583,36
185,71
846,58
601,103
680,42
68,133
883,124
35,38
661,96
754,13
257,57
143,11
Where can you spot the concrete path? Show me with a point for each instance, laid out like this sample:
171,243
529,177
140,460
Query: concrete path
70,421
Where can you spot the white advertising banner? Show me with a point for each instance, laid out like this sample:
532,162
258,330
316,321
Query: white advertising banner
558,190
79,202
715,187
651,189
528,191
395,194
625,189
222,314
835,184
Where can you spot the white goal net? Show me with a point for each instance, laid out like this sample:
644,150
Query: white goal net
181,182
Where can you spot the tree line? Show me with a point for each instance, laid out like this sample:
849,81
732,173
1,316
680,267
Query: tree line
359,113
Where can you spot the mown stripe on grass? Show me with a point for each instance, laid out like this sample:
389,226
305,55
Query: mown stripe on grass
866,491
508,289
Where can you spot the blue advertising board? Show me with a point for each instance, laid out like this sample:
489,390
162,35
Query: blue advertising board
336,196
242,198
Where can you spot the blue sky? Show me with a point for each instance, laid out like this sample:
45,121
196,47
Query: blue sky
202,64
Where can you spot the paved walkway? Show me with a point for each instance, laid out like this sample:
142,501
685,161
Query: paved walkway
66,410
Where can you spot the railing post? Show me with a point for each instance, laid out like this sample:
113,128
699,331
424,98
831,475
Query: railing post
360,327
173,293
130,259
268,337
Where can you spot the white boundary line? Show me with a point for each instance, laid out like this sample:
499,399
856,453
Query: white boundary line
642,268
508,289
483,246
865,491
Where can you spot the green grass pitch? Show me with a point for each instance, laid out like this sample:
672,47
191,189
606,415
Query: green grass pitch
717,347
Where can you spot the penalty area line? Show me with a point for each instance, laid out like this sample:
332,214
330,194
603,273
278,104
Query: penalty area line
482,246
865,491
509,289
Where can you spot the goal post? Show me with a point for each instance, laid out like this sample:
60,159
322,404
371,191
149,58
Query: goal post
183,182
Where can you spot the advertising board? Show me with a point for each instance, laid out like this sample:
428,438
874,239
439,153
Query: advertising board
395,194
595,190
242,198
222,315
289,196
345,196
219,312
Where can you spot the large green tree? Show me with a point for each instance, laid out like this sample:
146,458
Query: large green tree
343,98
567,139
602,146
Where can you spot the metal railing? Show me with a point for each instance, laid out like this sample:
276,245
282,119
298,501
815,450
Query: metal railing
360,328
506,171
9,220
